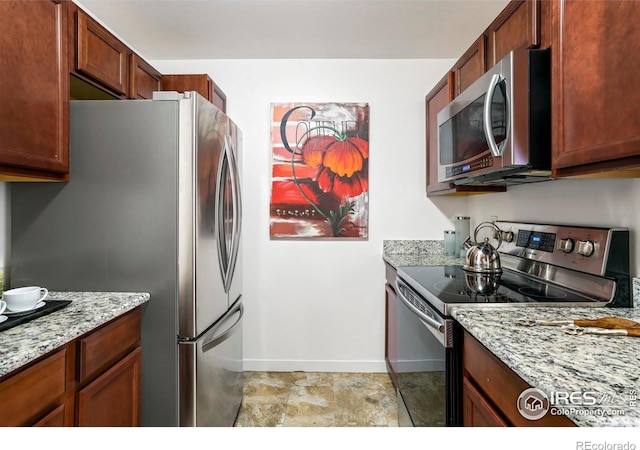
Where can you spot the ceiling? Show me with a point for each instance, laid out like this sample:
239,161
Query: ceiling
267,29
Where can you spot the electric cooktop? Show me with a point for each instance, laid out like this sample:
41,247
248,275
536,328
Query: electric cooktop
447,286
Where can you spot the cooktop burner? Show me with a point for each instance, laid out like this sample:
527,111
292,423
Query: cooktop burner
447,286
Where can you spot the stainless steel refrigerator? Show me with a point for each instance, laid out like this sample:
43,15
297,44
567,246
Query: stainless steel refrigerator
153,205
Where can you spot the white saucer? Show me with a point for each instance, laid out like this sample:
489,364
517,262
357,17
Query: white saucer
3,318
26,311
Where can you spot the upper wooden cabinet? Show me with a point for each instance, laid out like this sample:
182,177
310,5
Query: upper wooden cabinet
100,55
517,27
470,66
595,88
102,66
143,79
34,91
201,83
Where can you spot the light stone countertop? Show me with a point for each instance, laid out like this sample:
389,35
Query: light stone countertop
417,253
88,310
547,358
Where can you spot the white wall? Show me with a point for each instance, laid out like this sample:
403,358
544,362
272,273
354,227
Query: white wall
590,202
319,305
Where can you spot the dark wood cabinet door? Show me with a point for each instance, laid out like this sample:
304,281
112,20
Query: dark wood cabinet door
54,419
29,394
100,55
201,83
595,86
219,98
143,78
470,66
499,386
34,90
517,27
113,399
476,410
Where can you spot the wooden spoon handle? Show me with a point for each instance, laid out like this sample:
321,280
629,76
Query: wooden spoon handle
615,323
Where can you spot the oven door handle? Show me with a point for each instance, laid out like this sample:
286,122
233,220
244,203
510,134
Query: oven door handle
438,329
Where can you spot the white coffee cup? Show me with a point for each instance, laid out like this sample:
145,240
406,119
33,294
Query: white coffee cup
3,306
24,298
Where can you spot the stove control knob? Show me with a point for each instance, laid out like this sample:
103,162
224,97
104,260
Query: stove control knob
586,248
508,236
566,245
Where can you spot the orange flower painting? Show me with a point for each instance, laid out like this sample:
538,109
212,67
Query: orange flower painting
320,170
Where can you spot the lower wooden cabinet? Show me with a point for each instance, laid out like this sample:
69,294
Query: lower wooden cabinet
53,391
35,392
490,391
477,411
55,418
113,399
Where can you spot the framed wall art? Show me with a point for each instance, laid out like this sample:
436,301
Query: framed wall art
319,170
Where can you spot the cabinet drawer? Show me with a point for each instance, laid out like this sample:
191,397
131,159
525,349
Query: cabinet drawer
30,392
500,385
103,347
100,55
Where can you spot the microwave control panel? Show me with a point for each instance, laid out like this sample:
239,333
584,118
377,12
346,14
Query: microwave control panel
472,167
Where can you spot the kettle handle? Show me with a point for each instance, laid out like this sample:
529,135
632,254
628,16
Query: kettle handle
488,225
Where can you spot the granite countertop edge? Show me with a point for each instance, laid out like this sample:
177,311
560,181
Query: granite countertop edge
87,311
547,358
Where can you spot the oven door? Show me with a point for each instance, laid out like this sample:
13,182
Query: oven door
427,366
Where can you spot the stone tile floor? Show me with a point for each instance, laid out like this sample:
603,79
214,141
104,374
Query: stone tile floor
312,399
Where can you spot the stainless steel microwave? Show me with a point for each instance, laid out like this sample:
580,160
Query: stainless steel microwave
498,130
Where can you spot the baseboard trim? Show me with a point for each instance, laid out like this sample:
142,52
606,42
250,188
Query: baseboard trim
264,365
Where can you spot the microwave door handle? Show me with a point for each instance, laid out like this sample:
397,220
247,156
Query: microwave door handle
488,131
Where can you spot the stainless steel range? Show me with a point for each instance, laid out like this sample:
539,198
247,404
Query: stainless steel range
550,265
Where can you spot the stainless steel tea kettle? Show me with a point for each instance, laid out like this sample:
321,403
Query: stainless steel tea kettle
483,257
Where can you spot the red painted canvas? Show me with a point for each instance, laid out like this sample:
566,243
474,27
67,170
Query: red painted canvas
319,170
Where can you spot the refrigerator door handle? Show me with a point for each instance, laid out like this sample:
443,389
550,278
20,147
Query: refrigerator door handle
237,210
227,255
218,338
